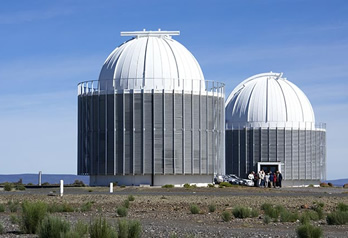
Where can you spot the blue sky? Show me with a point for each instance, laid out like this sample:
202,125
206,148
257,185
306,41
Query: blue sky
47,47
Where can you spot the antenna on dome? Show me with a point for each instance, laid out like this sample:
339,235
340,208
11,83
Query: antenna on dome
150,33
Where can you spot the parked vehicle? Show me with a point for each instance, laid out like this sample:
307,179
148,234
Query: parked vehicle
218,179
234,179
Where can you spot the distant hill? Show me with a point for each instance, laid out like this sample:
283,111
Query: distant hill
50,178
338,182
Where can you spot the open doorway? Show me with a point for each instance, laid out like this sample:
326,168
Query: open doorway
269,167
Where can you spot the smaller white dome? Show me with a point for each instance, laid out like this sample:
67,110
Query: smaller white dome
268,100
151,60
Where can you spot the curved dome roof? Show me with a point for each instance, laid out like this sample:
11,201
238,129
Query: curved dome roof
151,60
267,100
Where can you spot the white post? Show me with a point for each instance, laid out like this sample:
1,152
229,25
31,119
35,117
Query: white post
40,173
61,188
111,187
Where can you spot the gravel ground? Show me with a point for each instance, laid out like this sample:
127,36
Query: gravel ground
165,212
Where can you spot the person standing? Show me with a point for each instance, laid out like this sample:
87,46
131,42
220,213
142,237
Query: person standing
271,177
279,179
256,180
267,180
275,180
262,178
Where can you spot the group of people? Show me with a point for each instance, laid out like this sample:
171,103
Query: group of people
266,180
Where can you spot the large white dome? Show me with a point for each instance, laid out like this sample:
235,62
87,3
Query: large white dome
151,60
268,100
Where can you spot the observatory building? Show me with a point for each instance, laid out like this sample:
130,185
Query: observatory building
151,118
270,125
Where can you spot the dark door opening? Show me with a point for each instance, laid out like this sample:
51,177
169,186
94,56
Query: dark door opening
269,168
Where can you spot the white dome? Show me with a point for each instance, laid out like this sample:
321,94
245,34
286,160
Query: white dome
151,60
268,100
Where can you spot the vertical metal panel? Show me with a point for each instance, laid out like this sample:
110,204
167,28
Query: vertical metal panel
228,148
288,154
250,149
138,133
128,132
110,134
102,134
210,127
119,133
196,134
148,126
295,154
169,134
158,132
302,154
178,138
272,140
280,144
204,134
80,164
264,145
188,133
242,153
257,146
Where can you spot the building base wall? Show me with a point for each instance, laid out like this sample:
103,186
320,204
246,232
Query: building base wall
157,180
300,183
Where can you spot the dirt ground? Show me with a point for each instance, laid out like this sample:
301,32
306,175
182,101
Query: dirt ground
166,212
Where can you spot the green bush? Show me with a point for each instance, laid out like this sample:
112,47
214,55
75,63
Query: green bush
126,203
226,216
313,215
2,207
319,210
342,207
241,212
194,209
8,186
168,186
78,183
122,211
13,205
2,230
14,219
309,231
79,230
32,215
271,211
134,229
131,198
287,216
266,206
337,218
53,227
129,229
266,219
280,208
64,207
20,187
186,185
225,184
304,219
210,185
101,229
86,207
123,228
212,208
254,213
